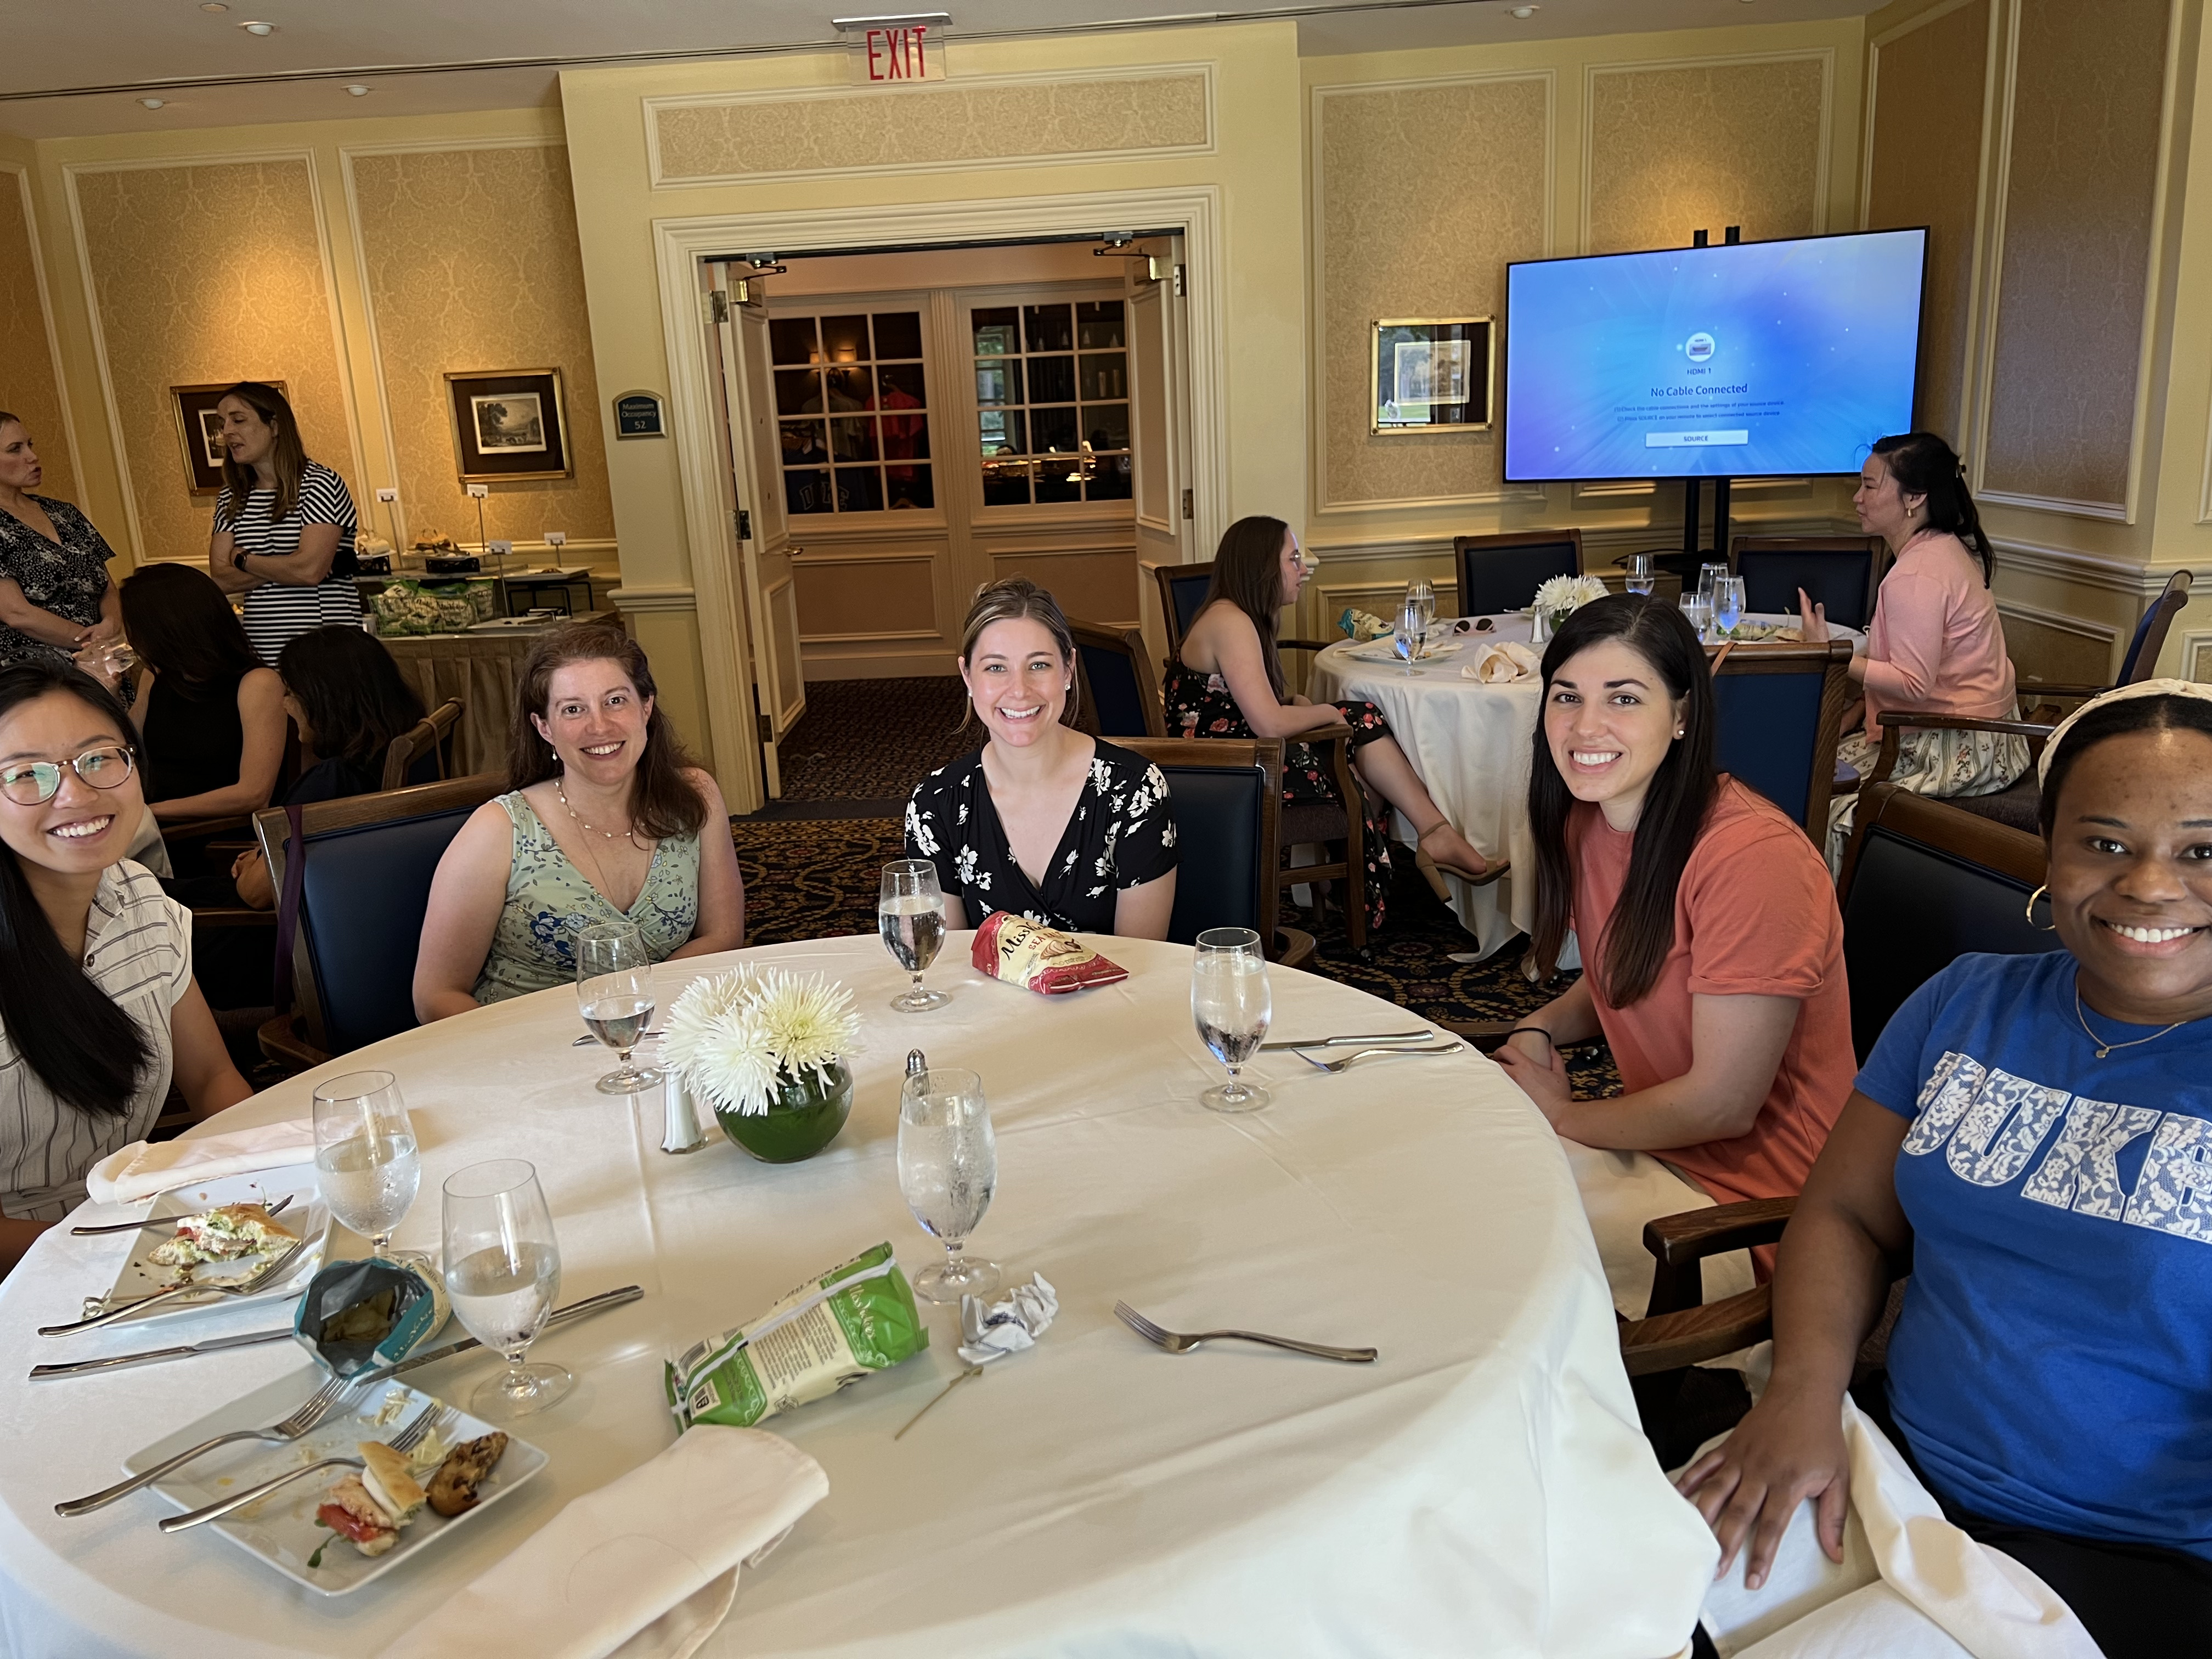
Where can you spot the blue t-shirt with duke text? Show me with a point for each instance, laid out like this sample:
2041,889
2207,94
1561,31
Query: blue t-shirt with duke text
2053,1366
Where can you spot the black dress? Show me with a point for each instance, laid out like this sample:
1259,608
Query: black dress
1121,833
67,577
194,738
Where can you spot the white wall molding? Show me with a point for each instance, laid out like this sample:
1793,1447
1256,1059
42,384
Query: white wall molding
2195,658
2116,512
46,316
669,598
2082,570
2103,633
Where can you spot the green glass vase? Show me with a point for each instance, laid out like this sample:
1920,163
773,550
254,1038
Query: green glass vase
803,1116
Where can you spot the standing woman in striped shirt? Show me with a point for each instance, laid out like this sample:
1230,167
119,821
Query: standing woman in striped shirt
284,525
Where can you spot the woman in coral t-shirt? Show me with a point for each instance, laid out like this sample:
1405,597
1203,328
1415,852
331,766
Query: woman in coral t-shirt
1712,947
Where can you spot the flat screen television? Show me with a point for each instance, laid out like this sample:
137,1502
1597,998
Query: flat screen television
1752,360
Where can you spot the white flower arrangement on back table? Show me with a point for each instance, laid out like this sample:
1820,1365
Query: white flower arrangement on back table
1559,596
733,1036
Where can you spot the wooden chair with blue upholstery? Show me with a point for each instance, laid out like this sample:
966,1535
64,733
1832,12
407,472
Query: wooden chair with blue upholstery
351,909
1119,698
1228,796
430,740
2141,662
1779,711
1838,571
1498,573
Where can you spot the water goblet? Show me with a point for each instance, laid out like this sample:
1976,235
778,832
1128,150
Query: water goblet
1698,611
503,1273
1728,606
1640,575
1422,591
1709,576
614,989
948,1168
910,916
1412,633
1231,1004
365,1161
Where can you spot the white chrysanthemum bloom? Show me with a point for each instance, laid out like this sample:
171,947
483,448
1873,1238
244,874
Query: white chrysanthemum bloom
734,1063
699,1012
808,1022
1558,595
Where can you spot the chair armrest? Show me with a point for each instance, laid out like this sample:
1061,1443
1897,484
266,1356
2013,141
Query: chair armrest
1681,1243
1488,1034
1305,645
1670,1341
2033,730
281,1045
2038,687
233,916
191,829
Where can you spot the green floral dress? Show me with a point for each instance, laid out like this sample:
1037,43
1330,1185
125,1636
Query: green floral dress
549,902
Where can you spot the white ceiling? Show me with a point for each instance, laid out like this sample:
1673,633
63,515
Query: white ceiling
102,56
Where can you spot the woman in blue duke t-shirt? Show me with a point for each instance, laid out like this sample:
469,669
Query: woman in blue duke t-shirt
2036,1131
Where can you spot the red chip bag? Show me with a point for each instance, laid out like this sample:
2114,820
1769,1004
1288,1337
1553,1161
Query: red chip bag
1043,959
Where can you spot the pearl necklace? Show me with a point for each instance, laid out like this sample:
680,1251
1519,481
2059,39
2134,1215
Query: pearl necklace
2105,1048
628,833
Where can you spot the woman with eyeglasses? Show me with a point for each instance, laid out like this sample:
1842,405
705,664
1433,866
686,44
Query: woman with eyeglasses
99,1013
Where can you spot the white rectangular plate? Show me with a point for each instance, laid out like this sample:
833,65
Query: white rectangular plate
308,1216
280,1528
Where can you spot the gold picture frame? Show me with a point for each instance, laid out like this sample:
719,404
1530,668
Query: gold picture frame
509,425
198,428
1432,374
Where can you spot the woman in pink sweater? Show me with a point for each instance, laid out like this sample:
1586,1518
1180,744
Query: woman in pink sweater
1936,642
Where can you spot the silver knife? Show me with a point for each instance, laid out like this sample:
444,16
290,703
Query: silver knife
1330,1042
119,1362
590,1304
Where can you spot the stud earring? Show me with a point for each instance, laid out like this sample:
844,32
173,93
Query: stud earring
2032,922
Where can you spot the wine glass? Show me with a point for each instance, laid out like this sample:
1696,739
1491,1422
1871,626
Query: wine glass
910,916
1231,1004
503,1273
365,1161
1698,609
1728,604
614,988
948,1166
1640,576
1709,576
1413,632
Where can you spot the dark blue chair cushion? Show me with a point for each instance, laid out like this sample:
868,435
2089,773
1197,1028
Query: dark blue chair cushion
363,893
1118,700
1492,580
1190,598
1911,911
1766,726
1836,579
1219,830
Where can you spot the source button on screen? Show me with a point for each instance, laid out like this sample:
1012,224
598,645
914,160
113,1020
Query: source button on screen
1710,439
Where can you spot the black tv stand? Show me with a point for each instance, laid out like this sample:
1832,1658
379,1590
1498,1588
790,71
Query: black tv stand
1690,549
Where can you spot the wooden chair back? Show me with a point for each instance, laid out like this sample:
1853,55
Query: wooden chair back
2144,650
1498,573
1182,595
1121,697
1227,794
432,732
1779,712
1839,572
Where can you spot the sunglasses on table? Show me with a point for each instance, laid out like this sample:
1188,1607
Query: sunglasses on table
33,783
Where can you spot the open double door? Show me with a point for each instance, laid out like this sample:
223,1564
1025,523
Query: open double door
733,303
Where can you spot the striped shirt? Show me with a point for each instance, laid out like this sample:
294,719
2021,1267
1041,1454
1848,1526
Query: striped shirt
275,615
138,949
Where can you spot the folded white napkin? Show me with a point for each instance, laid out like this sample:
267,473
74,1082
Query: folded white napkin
644,1568
140,1169
1503,661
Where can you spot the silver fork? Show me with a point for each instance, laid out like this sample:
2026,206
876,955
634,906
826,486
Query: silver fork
246,1286
1181,1342
1368,1054
406,1441
311,1412
275,1210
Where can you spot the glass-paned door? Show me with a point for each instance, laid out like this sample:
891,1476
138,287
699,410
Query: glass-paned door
1052,398
851,405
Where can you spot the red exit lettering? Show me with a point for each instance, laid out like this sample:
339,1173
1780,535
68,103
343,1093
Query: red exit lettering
898,54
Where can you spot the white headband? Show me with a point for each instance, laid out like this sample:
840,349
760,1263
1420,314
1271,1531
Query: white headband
2140,689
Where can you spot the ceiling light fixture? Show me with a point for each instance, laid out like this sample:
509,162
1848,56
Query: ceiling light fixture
258,28
213,5
358,90
1524,13
896,20
152,103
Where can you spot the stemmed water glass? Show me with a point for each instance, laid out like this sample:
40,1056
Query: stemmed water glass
365,1161
503,1273
614,989
948,1167
910,916
1413,631
1421,590
1231,1004
1698,611
1728,604
1640,577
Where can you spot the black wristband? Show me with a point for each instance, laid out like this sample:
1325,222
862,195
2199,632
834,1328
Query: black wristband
1532,1031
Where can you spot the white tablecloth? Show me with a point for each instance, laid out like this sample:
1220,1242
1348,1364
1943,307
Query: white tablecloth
1481,1489
1470,744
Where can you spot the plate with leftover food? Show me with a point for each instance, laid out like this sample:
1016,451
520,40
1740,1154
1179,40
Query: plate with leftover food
223,1230
339,1528
1380,651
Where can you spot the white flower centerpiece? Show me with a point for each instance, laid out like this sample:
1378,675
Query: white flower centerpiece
767,1051
1559,598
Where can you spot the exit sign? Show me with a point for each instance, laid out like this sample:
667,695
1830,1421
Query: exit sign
895,50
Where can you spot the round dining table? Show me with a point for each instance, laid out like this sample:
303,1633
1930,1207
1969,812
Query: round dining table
1482,1487
1469,741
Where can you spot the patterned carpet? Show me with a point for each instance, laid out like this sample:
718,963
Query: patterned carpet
874,739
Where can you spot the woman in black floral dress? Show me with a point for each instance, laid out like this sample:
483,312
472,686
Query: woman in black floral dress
1042,821
1228,683
55,597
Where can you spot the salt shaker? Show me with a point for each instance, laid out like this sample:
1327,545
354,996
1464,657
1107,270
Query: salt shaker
687,1124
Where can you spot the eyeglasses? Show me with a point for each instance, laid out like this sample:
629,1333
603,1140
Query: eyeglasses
33,783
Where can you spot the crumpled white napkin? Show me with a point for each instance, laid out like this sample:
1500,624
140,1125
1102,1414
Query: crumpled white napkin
140,1169
1506,660
644,1568
1009,1327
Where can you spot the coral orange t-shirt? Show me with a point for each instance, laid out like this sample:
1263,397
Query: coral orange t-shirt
1754,915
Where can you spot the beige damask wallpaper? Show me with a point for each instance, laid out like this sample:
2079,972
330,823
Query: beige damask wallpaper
1924,169
27,359
205,273
1426,193
1674,148
981,122
2077,223
472,263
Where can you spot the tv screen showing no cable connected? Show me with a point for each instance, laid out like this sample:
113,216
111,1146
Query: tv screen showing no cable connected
1756,360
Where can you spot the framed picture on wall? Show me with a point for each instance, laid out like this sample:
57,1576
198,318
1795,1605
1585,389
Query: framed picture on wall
509,426
1432,371
199,431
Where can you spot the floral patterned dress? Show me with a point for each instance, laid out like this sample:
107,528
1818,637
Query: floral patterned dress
1201,706
1121,833
67,577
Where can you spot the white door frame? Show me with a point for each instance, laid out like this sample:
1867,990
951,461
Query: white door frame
679,244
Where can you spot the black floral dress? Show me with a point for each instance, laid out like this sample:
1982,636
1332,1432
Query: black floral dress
67,577
1201,706
1121,833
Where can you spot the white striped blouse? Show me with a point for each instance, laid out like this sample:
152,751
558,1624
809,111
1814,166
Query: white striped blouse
138,949
275,615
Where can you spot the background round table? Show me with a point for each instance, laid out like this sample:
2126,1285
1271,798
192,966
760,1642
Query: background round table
1483,1487
1470,742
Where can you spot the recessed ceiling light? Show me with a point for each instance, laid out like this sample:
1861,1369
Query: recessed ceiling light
258,28
213,5
1524,13
358,91
152,103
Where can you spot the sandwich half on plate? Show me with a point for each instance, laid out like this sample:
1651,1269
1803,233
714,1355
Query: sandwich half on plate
372,1507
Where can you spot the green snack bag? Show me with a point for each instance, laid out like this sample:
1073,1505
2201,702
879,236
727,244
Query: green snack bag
827,1333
